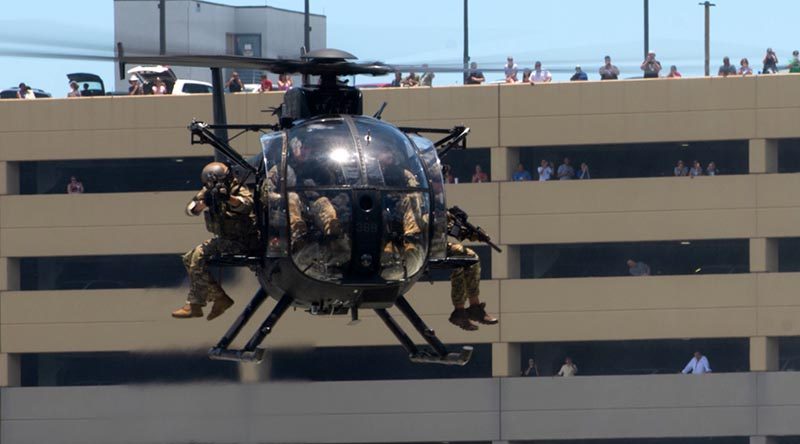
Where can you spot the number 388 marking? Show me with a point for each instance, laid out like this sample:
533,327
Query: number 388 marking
365,227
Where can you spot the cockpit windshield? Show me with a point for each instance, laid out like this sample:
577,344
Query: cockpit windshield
322,154
389,157
355,198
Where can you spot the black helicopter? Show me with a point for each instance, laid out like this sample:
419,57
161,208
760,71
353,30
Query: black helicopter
373,260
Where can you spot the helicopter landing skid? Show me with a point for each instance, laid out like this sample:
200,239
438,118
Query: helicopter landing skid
250,352
437,354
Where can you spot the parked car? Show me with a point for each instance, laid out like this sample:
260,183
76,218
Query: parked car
11,93
147,76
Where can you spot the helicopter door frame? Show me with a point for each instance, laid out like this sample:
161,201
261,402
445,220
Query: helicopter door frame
282,207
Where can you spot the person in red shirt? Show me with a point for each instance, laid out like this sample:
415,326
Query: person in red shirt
479,175
266,84
673,72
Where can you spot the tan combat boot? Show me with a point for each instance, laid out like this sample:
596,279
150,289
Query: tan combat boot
478,313
460,318
188,311
221,304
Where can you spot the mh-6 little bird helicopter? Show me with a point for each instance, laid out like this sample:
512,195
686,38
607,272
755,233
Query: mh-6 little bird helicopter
351,210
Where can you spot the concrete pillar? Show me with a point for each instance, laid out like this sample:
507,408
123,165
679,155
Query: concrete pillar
504,160
250,372
505,265
763,154
763,255
505,359
763,440
9,178
10,371
763,354
9,274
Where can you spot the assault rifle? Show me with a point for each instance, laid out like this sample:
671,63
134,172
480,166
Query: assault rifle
461,229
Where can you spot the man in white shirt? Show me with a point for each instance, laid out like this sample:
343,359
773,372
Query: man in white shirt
698,365
540,75
545,171
510,70
568,369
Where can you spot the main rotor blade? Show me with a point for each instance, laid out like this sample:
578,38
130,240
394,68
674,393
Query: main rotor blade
38,54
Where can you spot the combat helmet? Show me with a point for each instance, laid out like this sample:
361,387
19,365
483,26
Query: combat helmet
215,172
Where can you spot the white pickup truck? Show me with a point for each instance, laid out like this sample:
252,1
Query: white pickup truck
147,75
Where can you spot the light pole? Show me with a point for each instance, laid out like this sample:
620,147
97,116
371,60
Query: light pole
708,6
646,27
162,27
466,39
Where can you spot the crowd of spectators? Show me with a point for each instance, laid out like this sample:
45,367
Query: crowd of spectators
651,67
698,365
545,171
681,170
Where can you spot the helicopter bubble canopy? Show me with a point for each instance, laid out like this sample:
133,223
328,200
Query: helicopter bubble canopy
351,200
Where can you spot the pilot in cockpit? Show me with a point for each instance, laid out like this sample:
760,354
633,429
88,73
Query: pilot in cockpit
404,209
309,203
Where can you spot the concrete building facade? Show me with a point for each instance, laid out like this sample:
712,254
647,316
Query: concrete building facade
546,308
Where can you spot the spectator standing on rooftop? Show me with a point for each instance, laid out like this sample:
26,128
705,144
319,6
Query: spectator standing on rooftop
479,175
74,186
583,173
609,71
680,170
698,365
25,92
510,70
265,85
711,170
770,62
651,66
284,82
579,75
540,75
568,369
73,89
545,171
411,80
744,67
532,370
134,87
526,75
566,171
521,174
638,268
794,65
427,76
398,80
726,69
474,76
159,88
696,169
673,72
234,84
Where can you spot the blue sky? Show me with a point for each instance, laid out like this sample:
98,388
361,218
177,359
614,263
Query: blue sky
559,33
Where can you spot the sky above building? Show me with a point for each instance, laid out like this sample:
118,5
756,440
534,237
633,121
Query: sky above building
561,34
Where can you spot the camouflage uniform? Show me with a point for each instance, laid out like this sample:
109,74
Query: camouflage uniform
464,282
236,233
321,208
409,208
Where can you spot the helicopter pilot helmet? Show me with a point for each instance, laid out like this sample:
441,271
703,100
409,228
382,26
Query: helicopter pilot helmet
215,172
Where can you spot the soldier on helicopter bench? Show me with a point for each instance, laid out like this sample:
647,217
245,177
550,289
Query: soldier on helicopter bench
465,282
228,210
